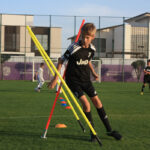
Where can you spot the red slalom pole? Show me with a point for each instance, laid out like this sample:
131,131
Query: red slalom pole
78,35
58,92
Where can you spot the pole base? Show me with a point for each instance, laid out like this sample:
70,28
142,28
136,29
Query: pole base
44,135
98,140
83,129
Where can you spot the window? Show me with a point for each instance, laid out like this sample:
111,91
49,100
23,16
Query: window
43,39
139,40
12,38
43,35
100,44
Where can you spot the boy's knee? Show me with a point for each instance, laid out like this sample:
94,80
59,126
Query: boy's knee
96,101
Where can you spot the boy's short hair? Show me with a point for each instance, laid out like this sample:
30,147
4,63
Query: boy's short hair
41,64
88,29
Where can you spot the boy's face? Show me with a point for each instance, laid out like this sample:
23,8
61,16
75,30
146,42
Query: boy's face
87,39
42,66
148,63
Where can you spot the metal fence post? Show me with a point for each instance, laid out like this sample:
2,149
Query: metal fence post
0,47
25,51
148,40
99,41
50,25
123,50
75,25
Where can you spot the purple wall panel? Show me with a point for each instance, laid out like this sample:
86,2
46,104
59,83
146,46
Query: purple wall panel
112,73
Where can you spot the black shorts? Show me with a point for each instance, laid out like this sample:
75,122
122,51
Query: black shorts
78,89
146,79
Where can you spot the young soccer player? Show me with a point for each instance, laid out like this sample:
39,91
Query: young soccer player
40,78
146,77
79,57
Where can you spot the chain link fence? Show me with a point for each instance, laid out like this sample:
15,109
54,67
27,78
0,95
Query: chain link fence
119,42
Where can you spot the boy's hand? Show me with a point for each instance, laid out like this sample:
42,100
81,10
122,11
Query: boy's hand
52,84
95,75
146,73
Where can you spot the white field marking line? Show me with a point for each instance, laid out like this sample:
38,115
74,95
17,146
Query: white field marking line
66,116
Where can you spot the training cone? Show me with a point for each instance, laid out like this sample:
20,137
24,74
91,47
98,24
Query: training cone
63,102
68,107
60,126
61,99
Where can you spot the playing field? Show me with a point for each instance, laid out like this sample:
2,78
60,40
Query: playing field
24,113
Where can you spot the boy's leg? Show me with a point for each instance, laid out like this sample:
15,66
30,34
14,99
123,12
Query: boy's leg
87,110
39,86
90,90
78,92
102,114
143,86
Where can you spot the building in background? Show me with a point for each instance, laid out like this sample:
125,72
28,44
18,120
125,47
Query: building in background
118,44
131,39
15,40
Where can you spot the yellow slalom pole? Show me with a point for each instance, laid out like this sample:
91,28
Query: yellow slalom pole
72,108
64,83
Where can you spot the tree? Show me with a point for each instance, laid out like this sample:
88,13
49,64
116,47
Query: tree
138,66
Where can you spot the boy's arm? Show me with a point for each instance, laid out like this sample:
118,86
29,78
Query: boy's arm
61,60
146,72
53,83
93,71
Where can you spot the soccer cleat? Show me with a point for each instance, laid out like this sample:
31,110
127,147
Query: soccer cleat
142,93
37,90
115,134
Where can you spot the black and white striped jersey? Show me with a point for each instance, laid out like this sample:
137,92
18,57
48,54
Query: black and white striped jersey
147,69
78,62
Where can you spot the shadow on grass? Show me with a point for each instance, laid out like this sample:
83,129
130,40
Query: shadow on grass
14,133
84,138
36,135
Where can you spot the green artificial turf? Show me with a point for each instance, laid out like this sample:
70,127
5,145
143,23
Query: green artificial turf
24,113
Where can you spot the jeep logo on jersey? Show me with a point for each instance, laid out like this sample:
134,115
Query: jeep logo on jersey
148,70
82,62
89,54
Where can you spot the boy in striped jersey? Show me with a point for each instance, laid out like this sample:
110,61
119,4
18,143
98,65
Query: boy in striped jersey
79,57
146,77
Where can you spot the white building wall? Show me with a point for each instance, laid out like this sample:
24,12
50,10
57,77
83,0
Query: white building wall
127,44
2,38
108,35
25,40
55,42
17,20
149,38
118,41
139,23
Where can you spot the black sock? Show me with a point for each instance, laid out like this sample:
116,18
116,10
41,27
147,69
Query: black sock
143,86
104,119
89,116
